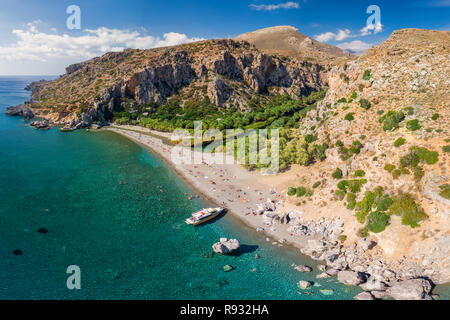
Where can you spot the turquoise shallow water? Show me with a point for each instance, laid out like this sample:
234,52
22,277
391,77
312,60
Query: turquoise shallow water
129,240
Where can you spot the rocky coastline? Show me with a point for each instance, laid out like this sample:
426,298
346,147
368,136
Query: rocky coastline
358,264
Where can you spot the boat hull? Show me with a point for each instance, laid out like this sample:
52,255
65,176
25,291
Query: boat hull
194,222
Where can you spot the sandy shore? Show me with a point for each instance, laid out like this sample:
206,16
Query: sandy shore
230,186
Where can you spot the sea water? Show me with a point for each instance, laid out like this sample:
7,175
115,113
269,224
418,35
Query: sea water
117,212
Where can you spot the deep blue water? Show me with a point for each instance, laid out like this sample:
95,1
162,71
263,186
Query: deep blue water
129,240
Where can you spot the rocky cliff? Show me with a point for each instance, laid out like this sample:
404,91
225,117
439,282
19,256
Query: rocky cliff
227,72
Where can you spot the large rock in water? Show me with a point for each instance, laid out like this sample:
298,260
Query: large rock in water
351,277
226,246
414,289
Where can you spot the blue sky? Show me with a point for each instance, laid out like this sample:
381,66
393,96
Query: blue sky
34,38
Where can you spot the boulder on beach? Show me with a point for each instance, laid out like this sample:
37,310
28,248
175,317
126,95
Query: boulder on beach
364,296
351,277
374,284
323,275
413,289
226,246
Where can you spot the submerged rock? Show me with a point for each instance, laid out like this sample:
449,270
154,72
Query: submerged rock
43,230
228,268
226,246
17,252
304,285
327,292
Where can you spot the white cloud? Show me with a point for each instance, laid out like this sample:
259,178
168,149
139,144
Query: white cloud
342,34
35,45
356,47
324,37
367,30
271,7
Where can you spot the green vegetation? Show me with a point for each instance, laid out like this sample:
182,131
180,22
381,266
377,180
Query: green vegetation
360,173
399,142
367,75
347,153
377,221
406,207
419,155
351,201
342,238
363,233
391,120
353,96
291,191
299,192
446,149
316,185
435,116
337,174
350,116
354,186
365,104
445,191
274,112
298,149
409,110
342,100
413,125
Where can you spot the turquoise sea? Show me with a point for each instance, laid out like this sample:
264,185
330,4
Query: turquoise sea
129,240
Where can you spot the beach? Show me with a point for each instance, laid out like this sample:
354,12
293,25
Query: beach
227,185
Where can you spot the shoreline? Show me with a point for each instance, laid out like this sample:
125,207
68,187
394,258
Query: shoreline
320,240
185,172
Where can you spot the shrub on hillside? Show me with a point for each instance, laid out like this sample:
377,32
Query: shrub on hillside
413,125
406,207
399,142
365,104
337,174
391,120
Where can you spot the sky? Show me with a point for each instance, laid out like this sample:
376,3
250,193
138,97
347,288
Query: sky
35,38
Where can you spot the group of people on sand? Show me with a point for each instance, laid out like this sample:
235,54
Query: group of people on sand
228,191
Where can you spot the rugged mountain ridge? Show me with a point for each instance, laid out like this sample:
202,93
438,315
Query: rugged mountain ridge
392,101
227,72
287,40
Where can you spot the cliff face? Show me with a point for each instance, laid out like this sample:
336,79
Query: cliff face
230,73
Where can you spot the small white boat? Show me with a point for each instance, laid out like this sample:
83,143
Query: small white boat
66,129
204,215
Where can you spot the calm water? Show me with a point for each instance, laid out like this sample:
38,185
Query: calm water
129,240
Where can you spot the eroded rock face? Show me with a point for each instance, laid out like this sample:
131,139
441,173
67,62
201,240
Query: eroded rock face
226,247
20,111
414,289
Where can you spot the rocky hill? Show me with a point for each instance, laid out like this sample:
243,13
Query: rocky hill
229,73
288,41
386,119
